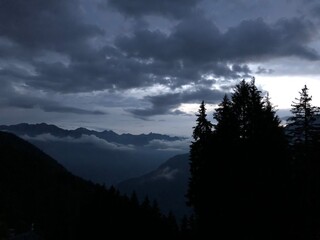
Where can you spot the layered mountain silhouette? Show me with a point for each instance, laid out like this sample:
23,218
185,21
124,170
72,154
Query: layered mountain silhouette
167,184
37,191
34,130
102,157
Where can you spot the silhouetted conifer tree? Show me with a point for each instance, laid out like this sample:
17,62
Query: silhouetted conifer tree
199,153
304,140
203,128
302,125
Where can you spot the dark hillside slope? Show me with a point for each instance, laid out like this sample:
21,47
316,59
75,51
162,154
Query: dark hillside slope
36,190
167,184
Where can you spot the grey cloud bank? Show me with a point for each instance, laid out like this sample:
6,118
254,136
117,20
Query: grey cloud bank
191,49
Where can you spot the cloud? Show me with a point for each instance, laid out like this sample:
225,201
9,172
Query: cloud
194,39
163,145
51,39
55,107
46,45
50,24
103,69
198,40
170,8
315,11
190,51
27,102
24,98
47,137
86,139
262,70
166,173
197,48
256,40
163,104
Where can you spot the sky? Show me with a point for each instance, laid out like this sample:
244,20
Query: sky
140,66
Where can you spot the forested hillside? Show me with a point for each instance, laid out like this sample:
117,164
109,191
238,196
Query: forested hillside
36,192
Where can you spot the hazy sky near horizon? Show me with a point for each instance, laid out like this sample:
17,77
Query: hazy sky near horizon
144,66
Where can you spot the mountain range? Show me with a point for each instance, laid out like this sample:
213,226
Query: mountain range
102,157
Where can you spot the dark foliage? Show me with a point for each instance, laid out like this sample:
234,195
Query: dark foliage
242,180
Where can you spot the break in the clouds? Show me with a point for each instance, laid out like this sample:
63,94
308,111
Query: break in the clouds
163,104
94,57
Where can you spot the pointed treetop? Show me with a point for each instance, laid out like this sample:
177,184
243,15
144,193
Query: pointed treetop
204,126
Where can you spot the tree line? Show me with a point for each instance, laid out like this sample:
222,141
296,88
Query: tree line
251,176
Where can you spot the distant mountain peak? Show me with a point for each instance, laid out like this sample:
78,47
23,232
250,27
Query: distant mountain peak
108,135
79,129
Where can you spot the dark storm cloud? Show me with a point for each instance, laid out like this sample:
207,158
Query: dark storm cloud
101,70
31,29
199,40
13,98
107,69
194,39
255,40
164,104
29,102
138,8
57,107
50,24
315,11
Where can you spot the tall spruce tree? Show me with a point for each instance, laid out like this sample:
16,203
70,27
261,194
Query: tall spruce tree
302,125
304,134
198,159
247,105
203,128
